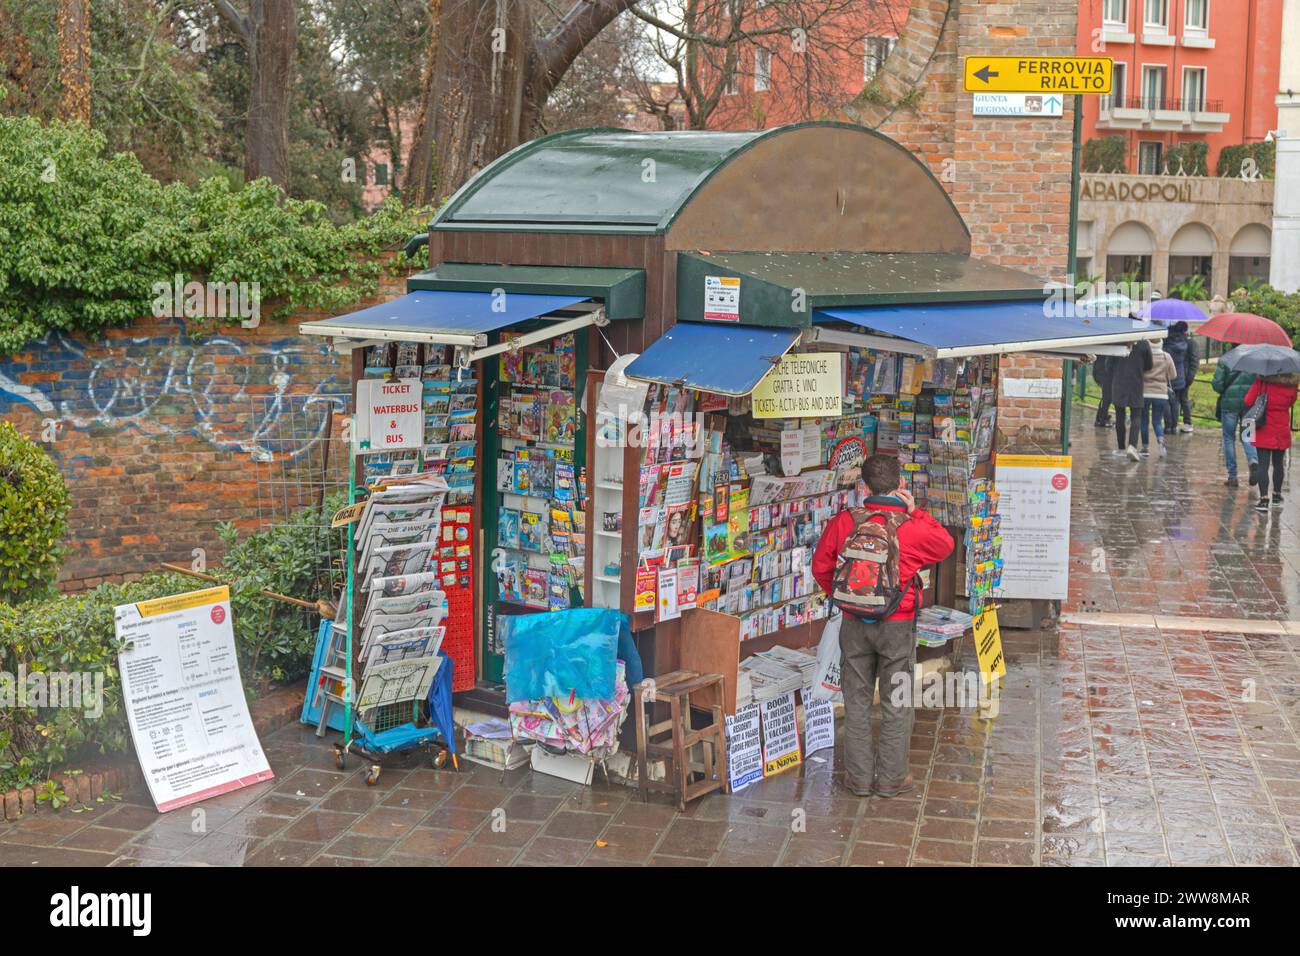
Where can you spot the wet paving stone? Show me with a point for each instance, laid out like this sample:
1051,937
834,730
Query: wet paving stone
1117,742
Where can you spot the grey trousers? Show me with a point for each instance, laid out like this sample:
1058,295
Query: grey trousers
870,650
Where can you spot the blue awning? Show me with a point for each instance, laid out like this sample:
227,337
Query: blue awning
974,328
441,317
727,359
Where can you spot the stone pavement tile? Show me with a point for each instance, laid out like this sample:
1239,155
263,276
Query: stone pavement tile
1255,835
284,853
167,838
352,801
577,825
519,806
802,850
1004,852
46,829
429,844
1072,845
426,779
103,839
875,854
360,847
482,854
1134,860
692,838
129,817
472,797
599,798
457,818
1007,830
890,832
1148,844
626,844
400,859
502,831
281,805
551,851
1198,854
937,851
339,861
254,824
387,822
311,782
222,849
660,859
405,798
391,778
16,855
892,808
638,814
1263,856
938,828
728,858
825,828
320,826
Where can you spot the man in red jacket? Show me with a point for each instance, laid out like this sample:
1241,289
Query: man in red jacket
884,649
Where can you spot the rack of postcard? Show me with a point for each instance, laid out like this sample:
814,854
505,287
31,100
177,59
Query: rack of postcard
541,514
760,492
450,401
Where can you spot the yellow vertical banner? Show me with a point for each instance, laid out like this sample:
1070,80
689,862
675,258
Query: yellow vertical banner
988,645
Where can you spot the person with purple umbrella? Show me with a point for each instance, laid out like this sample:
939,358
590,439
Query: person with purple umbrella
1183,351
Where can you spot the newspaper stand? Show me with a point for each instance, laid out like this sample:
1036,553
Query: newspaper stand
388,728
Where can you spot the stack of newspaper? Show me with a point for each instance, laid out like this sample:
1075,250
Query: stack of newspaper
398,628
773,673
937,625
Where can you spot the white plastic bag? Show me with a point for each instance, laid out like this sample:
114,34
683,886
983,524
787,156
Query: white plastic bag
826,683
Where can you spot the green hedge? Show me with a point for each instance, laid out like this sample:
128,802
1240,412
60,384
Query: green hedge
75,633
84,236
34,505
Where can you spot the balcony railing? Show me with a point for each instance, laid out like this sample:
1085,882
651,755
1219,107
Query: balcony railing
1172,103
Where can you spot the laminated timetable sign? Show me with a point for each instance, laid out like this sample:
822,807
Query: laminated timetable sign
184,699
801,385
1035,510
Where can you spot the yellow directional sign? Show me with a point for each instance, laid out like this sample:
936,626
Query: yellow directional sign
1038,74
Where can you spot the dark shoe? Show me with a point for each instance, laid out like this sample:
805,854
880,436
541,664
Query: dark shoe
894,791
1277,501
1262,505
1253,473
1230,483
856,791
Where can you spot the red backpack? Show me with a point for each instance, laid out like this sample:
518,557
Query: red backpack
866,582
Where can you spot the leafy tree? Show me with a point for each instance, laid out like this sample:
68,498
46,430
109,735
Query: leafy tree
1105,155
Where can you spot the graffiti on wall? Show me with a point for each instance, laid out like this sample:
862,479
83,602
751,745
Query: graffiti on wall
238,395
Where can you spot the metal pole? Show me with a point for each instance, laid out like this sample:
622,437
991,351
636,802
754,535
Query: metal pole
1067,372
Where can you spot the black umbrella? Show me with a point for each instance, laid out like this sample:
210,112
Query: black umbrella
1263,359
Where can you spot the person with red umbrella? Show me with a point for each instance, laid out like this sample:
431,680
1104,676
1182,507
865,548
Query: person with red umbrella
1268,408
1231,385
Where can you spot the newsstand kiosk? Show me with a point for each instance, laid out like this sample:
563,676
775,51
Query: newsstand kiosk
651,361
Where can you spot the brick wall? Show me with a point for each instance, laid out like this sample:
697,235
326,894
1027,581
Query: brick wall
1009,177
162,432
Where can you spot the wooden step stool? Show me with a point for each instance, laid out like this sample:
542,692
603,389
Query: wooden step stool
674,739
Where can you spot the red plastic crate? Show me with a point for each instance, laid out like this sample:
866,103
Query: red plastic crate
461,634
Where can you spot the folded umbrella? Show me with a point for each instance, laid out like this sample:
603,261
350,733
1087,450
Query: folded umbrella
1245,328
1263,359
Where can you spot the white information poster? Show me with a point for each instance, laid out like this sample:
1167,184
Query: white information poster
818,723
184,698
801,385
722,298
780,735
791,452
1035,507
744,748
392,412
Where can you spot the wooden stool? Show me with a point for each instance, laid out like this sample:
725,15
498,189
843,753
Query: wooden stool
674,739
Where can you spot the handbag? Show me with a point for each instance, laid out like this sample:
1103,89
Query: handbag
1256,411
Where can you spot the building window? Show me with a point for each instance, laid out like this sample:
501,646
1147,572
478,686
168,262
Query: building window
762,69
1196,16
1194,88
875,50
1149,158
1118,87
1156,14
1115,11
1182,268
381,174
733,85
1153,87
1130,268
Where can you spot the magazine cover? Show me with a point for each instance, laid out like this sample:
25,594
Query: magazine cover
532,531
508,528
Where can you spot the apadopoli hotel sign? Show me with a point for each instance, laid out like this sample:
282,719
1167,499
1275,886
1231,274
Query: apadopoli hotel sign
1135,192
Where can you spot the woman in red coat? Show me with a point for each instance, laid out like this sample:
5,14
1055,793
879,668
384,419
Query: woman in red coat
1272,431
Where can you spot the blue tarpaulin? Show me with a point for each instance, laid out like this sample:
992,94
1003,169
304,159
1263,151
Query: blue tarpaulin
561,653
434,313
723,358
1023,325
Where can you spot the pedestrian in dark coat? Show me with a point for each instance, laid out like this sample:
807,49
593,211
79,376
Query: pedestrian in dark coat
1126,388
1101,375
1183,351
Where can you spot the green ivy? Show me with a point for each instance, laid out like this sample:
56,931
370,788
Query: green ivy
1231,157
1105,155
1188,158
85,235
34,505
